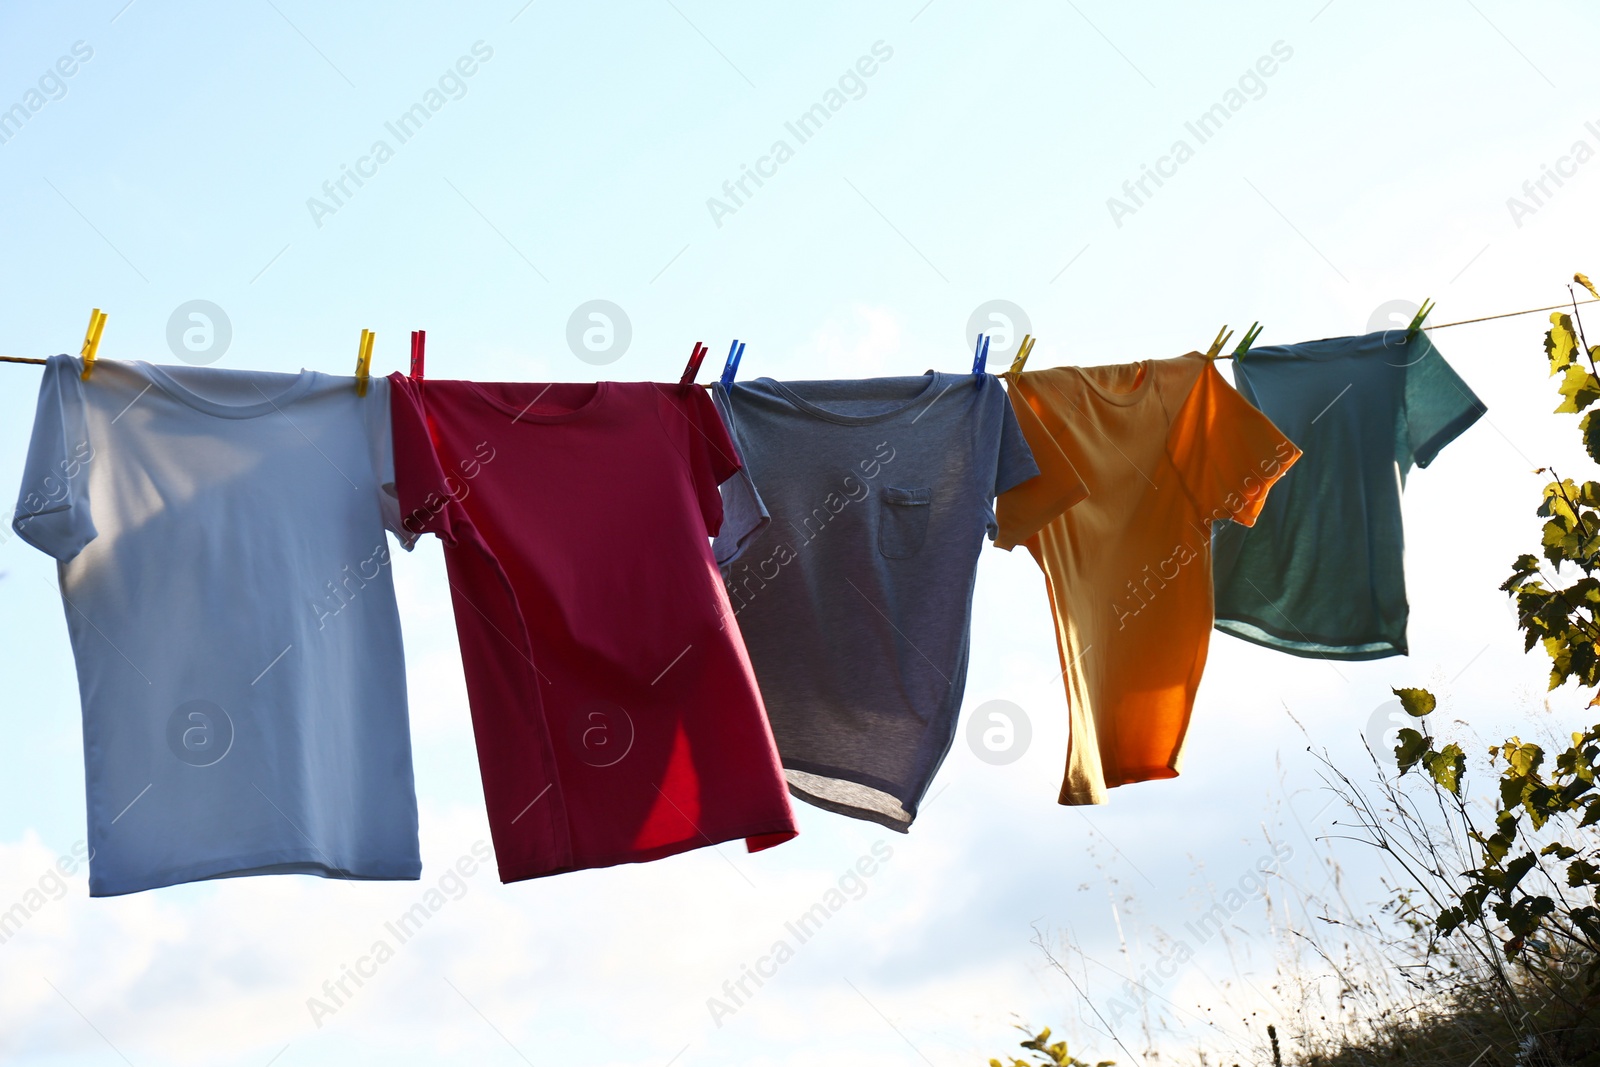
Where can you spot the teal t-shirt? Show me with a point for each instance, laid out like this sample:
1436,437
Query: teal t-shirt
1321,573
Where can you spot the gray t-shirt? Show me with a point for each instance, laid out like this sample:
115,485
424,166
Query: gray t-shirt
849,547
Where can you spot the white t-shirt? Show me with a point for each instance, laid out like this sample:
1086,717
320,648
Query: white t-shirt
225,573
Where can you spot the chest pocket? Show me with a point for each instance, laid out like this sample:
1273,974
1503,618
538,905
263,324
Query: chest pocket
903,521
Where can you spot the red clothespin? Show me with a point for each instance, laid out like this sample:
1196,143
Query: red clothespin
419,339
697,357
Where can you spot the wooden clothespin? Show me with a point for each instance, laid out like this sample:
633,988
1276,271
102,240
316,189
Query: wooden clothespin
364,361
91,341
1250,336
1216,346
1024,350
1416,323
731,367
980,354
419,339
697,357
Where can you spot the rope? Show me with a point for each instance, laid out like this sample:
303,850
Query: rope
1440,326
1509,314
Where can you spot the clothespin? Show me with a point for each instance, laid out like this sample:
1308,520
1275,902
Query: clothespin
1250,336
1416,323
419,338
980,354
1216,346
697,357
1024,350
91,341
731,367
364,361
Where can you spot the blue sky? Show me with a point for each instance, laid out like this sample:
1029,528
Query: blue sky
578,161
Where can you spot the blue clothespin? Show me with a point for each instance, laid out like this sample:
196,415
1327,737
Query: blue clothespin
980,354
731,367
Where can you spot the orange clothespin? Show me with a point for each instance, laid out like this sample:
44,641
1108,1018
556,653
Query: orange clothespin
419,339
364,361
91,341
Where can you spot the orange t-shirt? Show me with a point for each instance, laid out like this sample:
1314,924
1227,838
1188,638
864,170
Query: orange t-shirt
1165,446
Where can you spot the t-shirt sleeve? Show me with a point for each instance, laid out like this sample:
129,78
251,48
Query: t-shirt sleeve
53,513
1228,453
380,443
1015,463
426,500
1029,504
1438,405
744,514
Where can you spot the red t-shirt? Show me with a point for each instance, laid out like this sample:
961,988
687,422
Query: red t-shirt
616,714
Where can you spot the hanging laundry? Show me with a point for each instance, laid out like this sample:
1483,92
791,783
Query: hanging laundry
1165,447
1322,571
225,575
616,716
849,550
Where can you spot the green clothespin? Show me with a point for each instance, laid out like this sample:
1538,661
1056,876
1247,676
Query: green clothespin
1250,336
1416,323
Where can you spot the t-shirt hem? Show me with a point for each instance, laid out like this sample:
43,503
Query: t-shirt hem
1129,776
1309,646
893,789
757,837
288,861
850,810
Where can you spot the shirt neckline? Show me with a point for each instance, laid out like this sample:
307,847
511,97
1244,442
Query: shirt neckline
818,411
184,395
1111,396
601,391
1353,346
1138,392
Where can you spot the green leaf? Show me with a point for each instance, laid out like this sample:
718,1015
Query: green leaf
1591,814
1560,342
1579,387
1447,766
1523,759
1523,567
1417,702
1582,873
1498,844
1515,870
1591,435
1410,749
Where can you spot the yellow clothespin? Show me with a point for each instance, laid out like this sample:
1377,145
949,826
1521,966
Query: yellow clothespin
1216,346
91,341
1024,350
364,362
